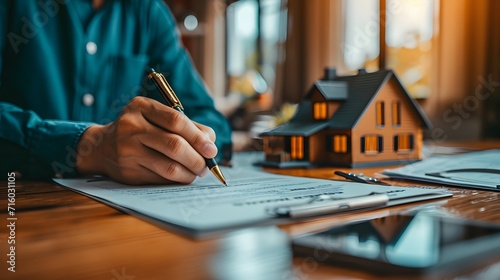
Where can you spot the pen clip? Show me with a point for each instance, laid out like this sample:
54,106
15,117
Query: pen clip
332,205
166,91
360,178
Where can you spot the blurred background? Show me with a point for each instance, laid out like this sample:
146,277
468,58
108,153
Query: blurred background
259,57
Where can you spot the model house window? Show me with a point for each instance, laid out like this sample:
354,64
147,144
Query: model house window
403,142
297,147
396,113
371,144
320,110
380,113
340,144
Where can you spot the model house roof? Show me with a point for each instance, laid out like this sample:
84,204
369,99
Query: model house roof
331,90
354,93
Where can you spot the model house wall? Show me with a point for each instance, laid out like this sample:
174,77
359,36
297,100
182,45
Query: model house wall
406,125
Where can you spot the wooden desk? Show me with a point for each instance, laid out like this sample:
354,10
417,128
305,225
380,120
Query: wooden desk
64,235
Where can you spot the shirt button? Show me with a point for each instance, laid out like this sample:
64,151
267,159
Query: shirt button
88,99
91,48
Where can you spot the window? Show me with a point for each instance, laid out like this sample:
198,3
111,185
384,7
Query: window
393,34
361,32
297,147
380,114
403,142
255,40
371,144
320,110
396,113
340,144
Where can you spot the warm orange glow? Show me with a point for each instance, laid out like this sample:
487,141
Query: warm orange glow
371,144
396,113
380,113
320,110
297,147
340,143
404,142
300,144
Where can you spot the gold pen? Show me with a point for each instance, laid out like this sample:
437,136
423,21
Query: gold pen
171,99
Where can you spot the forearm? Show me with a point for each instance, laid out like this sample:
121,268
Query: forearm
28,140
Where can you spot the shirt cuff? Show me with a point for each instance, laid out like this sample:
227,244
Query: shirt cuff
55,142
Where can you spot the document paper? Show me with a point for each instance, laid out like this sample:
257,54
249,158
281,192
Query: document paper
205,206
474,170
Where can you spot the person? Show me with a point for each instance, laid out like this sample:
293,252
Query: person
75,98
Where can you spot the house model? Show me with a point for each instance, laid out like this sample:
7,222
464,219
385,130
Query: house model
363,120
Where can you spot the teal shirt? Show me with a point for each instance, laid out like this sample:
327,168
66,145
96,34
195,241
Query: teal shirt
63,69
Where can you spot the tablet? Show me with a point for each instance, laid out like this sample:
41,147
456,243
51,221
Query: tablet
415,244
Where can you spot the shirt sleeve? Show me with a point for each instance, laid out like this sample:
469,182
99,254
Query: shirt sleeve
38,149
168,56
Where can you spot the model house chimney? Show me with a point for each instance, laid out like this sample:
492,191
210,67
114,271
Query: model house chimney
330,74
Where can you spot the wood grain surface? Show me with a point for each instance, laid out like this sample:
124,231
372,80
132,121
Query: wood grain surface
61,234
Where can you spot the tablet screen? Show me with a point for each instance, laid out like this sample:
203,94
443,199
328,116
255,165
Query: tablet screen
418,241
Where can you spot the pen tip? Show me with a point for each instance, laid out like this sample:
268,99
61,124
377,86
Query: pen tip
216,171
151,70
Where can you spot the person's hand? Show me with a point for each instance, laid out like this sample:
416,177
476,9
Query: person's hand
148,143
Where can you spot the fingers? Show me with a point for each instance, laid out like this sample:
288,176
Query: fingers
149,143
174,147
142,165
209,132
166,168
176,122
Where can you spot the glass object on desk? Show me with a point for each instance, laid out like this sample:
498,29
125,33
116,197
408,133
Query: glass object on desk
253,253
